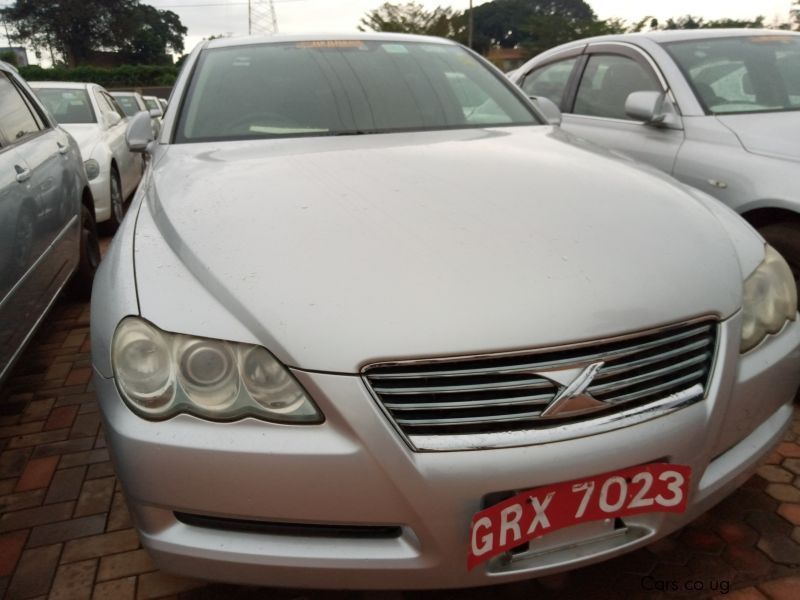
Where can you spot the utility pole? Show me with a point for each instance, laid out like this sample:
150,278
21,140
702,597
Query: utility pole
471,25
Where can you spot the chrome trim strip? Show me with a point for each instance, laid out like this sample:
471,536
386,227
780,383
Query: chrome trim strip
625,398
643,362
573,361
558,433
527,384
541,399
623,383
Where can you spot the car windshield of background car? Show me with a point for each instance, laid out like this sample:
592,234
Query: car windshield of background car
341,87
742,74
67,106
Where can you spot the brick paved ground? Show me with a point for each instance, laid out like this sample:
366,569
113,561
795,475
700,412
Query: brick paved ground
65,531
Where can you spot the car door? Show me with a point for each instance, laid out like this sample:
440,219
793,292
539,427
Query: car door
595,108
129,164
39,214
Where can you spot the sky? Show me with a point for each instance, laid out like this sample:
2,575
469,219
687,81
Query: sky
344,15
204,18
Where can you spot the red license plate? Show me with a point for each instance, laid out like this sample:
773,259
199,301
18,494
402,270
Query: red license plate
655,487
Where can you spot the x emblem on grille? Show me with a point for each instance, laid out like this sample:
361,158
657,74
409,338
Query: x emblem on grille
572,398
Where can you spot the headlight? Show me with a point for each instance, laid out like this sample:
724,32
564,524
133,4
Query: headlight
92,168
770,300
161,374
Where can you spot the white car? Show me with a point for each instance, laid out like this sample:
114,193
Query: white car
95,120
152,104
133,102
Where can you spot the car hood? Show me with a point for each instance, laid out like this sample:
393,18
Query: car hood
337,252
770,134
87,135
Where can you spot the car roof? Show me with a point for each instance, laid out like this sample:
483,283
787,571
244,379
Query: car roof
64,85
319,37
681,35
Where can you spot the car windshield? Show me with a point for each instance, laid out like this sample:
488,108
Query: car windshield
742,74
67,105
343,87
151,103
128,104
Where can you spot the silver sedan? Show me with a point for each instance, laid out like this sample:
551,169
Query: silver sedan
376,324
718,109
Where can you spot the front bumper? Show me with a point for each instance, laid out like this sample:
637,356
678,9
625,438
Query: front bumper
355,470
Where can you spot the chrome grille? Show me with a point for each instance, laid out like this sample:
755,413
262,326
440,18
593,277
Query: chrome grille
504,393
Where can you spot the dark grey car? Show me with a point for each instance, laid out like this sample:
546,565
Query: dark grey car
47,223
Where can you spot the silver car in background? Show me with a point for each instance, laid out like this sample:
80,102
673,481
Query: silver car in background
96,121
47,224
718,109
133,103
376,324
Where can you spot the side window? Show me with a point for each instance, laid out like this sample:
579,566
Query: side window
102,103
17,120
607,82
549,81
113,104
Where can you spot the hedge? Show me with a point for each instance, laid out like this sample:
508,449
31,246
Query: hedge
114,77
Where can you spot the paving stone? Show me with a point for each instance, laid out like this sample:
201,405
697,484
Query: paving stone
34,573
95,496
775,474
789,449
84,458
790,512
669,551
87,425
158,584
21,429
37,474
780,549
78,376
783,492
11,545
34,439
119,517
58,371
66,530
74,581
748,593
12,462
66,485
31,517
702,540
135,562
21,500
736,532
65,447
100,545
787,588
748,560
117,589
61,418
103,469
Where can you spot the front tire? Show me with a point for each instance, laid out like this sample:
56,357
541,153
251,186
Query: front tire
90,255
785,238
117,203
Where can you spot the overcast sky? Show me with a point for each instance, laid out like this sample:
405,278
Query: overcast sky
230,16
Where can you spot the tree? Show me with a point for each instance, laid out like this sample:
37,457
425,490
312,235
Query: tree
531,23
410,17
75,29
691,22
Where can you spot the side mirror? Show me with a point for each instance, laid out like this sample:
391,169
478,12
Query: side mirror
548,108
112,119
155,112
646,106
139,133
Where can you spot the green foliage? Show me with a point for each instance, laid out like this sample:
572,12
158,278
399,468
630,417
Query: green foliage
124,76
410,17
75,29
9,57
691,22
